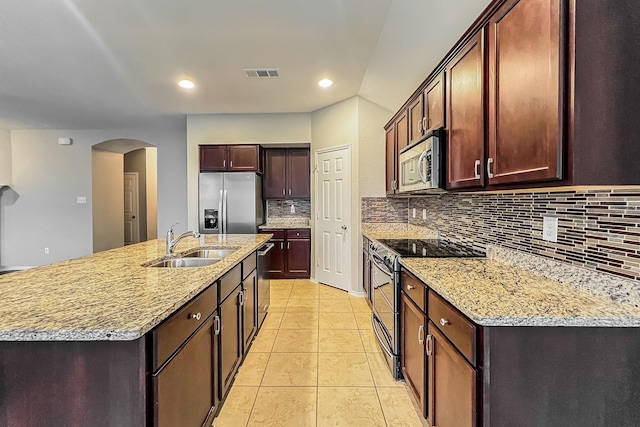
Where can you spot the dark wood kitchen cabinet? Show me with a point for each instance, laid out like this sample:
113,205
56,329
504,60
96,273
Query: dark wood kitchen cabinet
402,135
465,116
249,315
390,155
452,387
525,86
413,332
291,256
230,158
287,173
231,333
416,116
434,104
366,271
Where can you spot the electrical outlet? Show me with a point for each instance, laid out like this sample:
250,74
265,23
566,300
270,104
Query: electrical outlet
414,212
46,251
293,208
550,229
80,199
424,214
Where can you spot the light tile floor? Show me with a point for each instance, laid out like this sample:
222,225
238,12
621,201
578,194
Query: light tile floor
315,362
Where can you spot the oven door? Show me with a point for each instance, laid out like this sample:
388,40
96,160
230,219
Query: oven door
412,168
383,301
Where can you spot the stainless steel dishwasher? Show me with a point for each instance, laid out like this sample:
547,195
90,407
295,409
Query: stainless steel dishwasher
264,284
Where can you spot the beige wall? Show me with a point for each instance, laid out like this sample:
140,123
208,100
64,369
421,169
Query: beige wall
108,200
152,192
371,163
136,161
262,129
5,157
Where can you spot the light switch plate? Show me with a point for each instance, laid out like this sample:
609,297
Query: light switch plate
550,229
293,208
424,214
80,199
414,212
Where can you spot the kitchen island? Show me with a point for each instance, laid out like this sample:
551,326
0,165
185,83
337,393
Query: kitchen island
84,341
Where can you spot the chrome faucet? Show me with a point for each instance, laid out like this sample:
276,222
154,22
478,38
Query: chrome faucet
173,241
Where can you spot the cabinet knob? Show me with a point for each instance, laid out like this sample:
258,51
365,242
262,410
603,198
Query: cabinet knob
409,287
196,316
444,321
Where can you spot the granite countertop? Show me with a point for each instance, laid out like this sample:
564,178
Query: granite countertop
493,293
284,223
109,295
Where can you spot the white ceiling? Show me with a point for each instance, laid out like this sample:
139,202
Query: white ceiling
87,64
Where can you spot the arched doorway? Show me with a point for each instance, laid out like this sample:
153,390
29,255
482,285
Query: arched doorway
124,187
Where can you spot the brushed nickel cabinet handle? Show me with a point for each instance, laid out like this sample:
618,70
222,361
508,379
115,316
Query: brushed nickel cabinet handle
489,161
425,123
224,163
429,345
283,193
218,325
476,169
420,332
231,164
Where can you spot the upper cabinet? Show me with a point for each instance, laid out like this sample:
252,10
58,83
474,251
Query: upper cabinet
535,93
525,86
287,173
230,158
465,116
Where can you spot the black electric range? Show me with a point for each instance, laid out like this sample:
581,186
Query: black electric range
430,248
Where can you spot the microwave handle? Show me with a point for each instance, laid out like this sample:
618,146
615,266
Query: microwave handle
420,164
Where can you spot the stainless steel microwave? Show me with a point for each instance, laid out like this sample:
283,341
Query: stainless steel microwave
422,164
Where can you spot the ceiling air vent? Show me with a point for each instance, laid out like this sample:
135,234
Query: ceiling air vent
261,73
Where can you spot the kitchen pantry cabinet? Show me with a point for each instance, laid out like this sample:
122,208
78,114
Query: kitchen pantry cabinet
465,116
291,256
230,158
287,173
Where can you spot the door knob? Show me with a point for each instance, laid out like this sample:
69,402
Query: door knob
344,227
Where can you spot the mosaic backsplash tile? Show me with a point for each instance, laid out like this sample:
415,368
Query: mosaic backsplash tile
282,209
383,210
597,229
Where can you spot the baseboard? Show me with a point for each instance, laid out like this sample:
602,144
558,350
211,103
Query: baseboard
359,294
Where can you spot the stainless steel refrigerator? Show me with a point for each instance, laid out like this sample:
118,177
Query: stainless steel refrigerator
230,202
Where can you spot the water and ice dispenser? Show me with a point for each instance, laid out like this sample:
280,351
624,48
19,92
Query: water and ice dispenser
211,219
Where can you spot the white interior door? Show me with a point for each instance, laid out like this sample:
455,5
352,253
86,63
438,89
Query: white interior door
131,207
333,218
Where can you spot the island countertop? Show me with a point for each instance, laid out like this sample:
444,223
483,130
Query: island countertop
110,295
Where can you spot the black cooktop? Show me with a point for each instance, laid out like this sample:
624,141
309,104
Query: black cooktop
430,248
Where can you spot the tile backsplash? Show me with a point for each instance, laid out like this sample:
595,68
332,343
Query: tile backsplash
282,208
597,229
383,210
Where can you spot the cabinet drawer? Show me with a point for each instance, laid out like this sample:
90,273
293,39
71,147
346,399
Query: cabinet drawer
229,282
176,329
248,265
414,289
277,233
460,331
303,233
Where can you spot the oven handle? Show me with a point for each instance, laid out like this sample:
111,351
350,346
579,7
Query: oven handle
380,264
375,331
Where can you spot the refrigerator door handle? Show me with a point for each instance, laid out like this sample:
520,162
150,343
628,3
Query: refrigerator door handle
220,213
224,212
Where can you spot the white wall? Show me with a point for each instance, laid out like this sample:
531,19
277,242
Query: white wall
108,200
5,157
152,192
262,129
48,177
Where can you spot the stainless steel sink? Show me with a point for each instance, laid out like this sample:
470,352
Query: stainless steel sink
209,253
185,262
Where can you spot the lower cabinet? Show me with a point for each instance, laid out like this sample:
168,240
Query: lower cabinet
366,271
231,346
291,256
452,385
412,350
249,308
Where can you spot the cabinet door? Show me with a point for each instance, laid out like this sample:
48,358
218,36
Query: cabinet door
298,258
526,85
465,116
249,294
402,132
452,384
230,339
243,158
412,342
298,173
184,387
366,274
434,103
275,259
274,173
390,159
213,158
415,119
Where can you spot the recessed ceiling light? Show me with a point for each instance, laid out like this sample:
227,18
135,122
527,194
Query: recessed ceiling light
325,83
186,84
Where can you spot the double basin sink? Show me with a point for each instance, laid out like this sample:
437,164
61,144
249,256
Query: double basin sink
196,258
